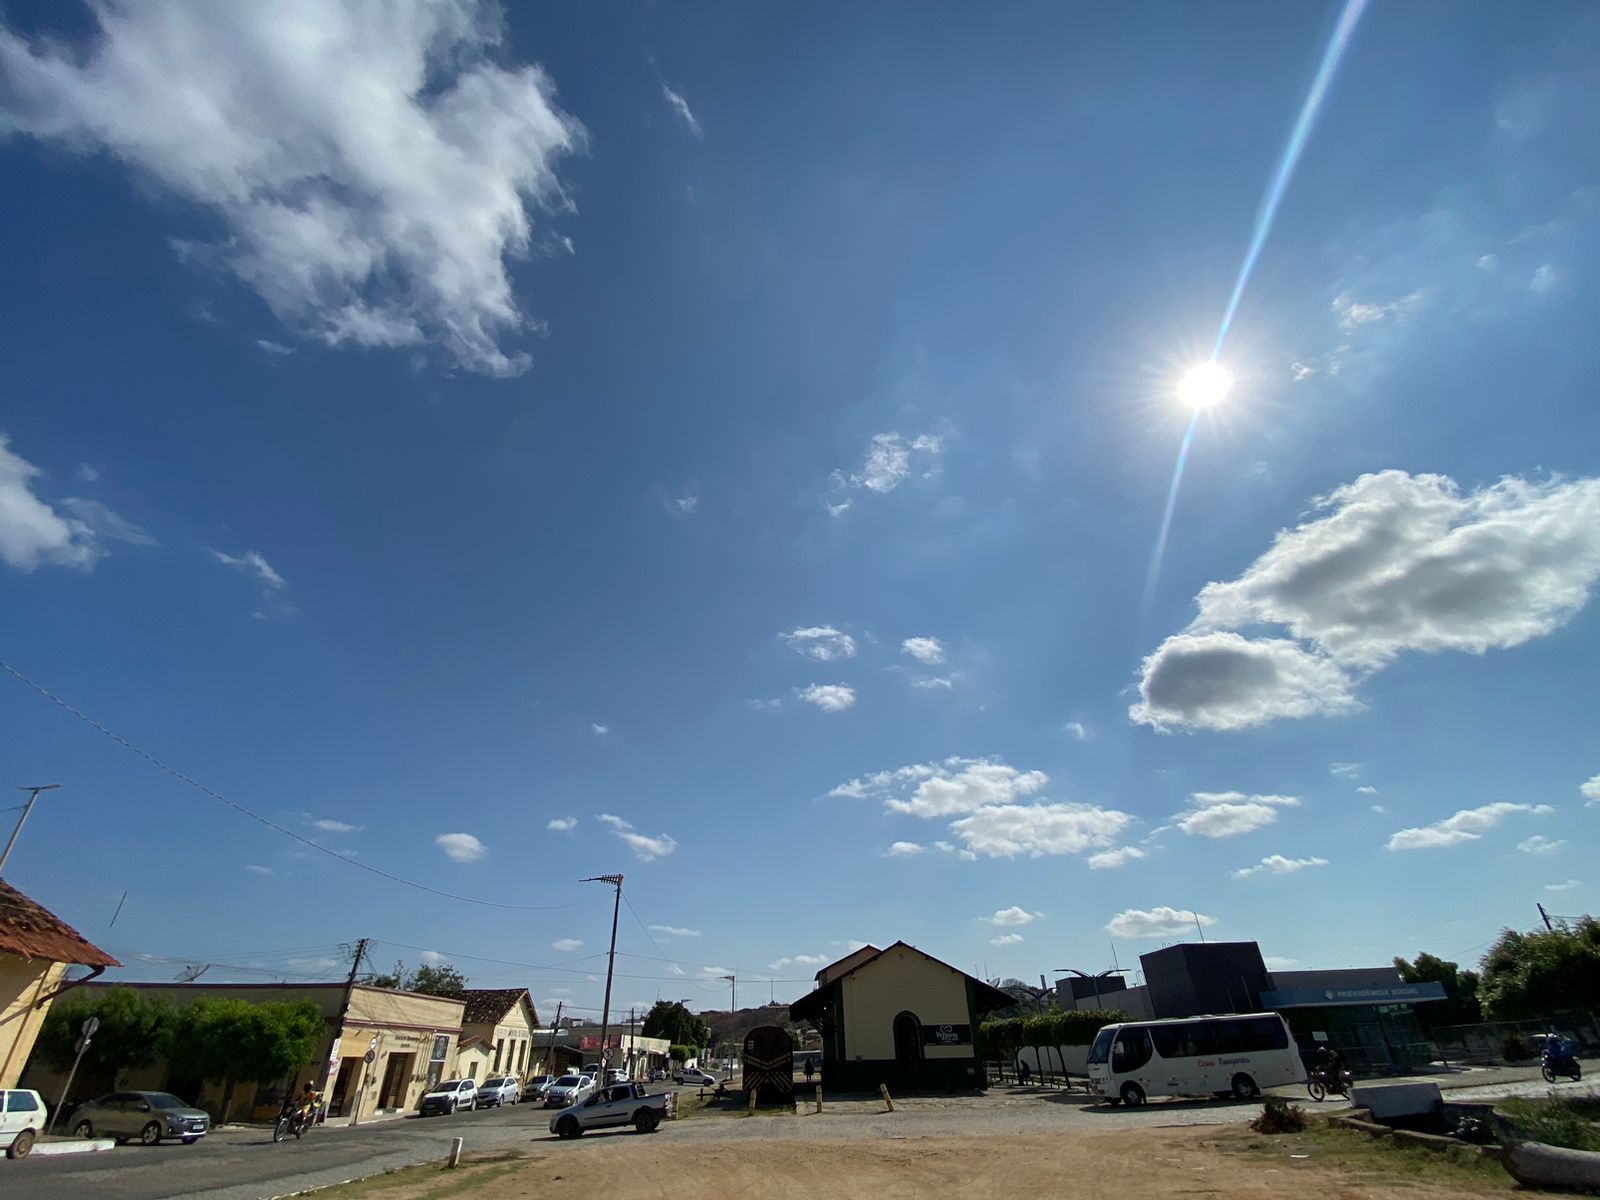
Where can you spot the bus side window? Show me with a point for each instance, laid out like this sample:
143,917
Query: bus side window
1132,1050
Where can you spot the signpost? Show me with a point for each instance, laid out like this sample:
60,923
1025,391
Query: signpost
86,1031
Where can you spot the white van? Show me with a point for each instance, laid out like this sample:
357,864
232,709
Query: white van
22,1118
1236,1055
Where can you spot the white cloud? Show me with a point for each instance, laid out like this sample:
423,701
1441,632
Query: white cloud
599,730
566,945
1015,915
372,167
673,931
924,649
682,506
88,472
100,521
889,462
1036,830
1156,922
821,643
829,697
1344,770
461,847
903,849
1391,563
1229,814
1366,789
1277,864
1353,314
431,958
648,849
1276,962
252,563
32,533
329,825
1121,856
795,960
276,349
930,683
1570,885
563,824
1223,681
1077,729
1544,278
1006,939
1467,825
1379,809
612,820
1590,790
1487,262
256,869
1299,371
957,785
681,107
772,705
1539,844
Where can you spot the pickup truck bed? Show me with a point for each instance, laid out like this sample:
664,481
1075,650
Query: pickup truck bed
611,1108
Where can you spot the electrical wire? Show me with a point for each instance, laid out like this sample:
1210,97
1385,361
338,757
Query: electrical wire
267,821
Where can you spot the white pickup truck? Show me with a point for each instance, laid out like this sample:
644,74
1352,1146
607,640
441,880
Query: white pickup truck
611,1108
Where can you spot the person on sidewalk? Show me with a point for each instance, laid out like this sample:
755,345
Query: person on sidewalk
1024,1072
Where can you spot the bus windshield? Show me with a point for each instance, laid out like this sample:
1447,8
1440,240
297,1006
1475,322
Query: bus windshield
1101,1050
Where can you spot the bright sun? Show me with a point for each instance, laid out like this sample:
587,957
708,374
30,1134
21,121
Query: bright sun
1204,385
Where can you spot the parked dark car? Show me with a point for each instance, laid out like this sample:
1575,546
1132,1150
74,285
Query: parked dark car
148,1116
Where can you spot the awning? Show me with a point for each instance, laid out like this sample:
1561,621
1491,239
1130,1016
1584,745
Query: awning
1349,997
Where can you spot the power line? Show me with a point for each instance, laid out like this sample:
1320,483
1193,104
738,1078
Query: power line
268,822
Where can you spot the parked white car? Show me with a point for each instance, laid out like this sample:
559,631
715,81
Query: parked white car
22,1119
498,1090
568,1090
695,1077
449,1096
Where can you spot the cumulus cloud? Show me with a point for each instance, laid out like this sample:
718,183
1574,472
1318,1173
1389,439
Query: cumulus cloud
1277,864
796,960
1036,830
1120,856
644,847
1006,939
253,564
1590,790
924,649
612,820
957,785
681,106
33,533
372,167
1015,915
563,824
903,849
667,932
461,847
566,945
1389,564
1367,789
821,643
1156,922
1467,825
1229,814
599,730
829,697
1539,844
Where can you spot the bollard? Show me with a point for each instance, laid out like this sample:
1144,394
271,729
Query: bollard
884,1088
455,1153
752,1101
819,1097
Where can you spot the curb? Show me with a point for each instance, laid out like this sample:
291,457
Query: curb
75,1146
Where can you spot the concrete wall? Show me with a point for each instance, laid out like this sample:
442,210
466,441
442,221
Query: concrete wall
22,982
901,980
1073,1059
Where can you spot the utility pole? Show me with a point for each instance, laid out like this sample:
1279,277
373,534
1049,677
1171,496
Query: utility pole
338,1025
26,809
611,963
550,1059
1549,927
733,1004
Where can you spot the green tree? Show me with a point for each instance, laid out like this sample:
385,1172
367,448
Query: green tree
1460,1006
132,1028
1542,972
671,1020
436,980
233,1040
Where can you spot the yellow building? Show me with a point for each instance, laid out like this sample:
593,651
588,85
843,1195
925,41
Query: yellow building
496,1034
36,948
411,1039
899,1017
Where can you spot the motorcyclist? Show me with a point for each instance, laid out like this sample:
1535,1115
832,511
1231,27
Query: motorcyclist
310,1101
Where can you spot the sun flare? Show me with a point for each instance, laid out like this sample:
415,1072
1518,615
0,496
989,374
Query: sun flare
1205,385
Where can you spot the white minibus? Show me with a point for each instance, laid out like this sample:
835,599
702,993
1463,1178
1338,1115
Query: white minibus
1192,1056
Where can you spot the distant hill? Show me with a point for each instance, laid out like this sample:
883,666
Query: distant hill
730,1028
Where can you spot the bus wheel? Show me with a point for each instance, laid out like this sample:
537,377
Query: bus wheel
1132,1095
1244,1088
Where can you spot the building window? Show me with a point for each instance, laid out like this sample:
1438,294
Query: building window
522,1055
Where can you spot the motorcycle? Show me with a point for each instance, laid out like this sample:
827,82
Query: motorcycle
1321,1082
291,1119
1560,1060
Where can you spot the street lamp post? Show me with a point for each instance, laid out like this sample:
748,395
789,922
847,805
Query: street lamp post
26,809
1096,978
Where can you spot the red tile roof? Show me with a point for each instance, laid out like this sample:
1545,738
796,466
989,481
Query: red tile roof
488,1006
33,931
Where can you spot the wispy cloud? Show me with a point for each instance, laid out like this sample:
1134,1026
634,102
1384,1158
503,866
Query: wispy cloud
566,945
33,533
563,824
252,563
599,730
820,643
1077,729
1467,825
681,106
794,960
1539,844
256,869
890,460
666,932
1229,814
924,649
1277,864
904,849
329,825
644,847
461,847
1006,939
1121,856
1570,885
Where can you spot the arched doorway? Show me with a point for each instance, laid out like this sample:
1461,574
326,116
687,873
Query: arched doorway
907,1041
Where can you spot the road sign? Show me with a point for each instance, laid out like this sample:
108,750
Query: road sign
81,1045
90,1027
370,1055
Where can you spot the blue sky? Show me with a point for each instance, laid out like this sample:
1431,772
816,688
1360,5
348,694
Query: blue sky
742,433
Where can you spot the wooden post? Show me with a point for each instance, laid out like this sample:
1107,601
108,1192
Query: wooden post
819,1097
884,1088
455,1153
753,1093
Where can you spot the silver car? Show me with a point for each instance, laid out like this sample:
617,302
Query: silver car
148,1116
568,1090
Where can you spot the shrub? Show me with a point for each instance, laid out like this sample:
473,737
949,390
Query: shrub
1515,1048
1279,1116
1553,1122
